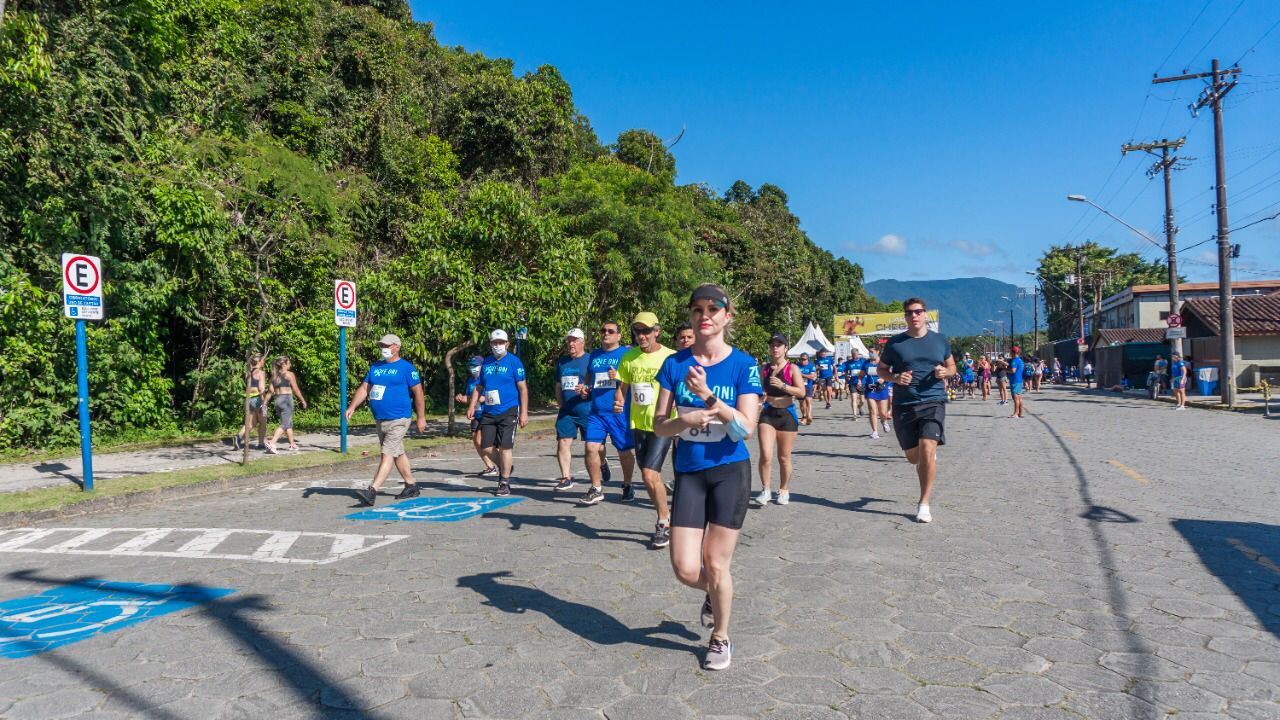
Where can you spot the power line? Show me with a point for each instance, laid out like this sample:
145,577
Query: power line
1259,42
1185,33
1215,35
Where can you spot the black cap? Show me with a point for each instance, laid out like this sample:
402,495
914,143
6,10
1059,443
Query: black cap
709,292
779,338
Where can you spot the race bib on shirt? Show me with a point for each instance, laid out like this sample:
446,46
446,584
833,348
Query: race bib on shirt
715,431
569,383
491,397
643,394
604,381
377,391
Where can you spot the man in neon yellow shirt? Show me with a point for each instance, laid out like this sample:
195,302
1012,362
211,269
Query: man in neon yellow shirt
637,375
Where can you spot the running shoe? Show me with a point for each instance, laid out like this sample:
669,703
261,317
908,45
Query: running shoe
875,435
261,446
671,489
764,497
606,475
368,496
236,442
923,515
783,498
628,493
708,615
719,654
566,483
293,448
271,449
884,426
409,491
828,406
593,496
661,536
492,470
504,488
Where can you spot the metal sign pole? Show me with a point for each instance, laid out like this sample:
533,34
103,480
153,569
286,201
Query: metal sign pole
342,383
82,384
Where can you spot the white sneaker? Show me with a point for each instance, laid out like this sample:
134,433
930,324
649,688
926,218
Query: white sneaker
783,498
923,515
875,435
884,425
764,496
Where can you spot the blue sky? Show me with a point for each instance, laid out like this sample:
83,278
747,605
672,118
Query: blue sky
928,140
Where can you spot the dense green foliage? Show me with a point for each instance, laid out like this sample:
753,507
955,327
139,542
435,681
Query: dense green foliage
1103,271
228,159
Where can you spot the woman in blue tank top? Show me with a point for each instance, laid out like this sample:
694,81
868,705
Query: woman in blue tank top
715,390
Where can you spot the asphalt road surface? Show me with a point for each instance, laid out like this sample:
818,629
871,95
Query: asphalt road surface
1102,558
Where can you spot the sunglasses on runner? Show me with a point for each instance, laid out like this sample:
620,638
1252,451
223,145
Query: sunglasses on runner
640,330
608,331
914,311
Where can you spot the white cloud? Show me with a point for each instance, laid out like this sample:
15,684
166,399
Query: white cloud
887,245
974,249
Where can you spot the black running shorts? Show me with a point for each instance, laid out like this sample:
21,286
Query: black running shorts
779,419
716,495
651,450
499,430
922,421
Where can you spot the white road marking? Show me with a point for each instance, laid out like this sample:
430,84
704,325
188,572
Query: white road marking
276,547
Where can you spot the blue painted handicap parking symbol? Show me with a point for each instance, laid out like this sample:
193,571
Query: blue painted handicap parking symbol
435,509
63,615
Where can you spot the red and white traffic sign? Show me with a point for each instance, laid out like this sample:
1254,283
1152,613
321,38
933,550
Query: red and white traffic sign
81,286
1175,320
1080,341
344,303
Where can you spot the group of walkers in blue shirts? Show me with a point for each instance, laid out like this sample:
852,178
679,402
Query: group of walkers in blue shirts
700,401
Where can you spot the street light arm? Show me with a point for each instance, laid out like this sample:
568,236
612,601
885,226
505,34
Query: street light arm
1099,208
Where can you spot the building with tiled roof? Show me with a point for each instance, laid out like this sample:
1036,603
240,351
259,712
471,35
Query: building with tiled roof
1256,325
1147,306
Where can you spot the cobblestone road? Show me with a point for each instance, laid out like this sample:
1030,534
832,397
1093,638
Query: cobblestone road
1102,558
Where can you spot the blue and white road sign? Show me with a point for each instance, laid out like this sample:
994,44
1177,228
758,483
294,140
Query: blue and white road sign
81,286
70,613
450,509
344,303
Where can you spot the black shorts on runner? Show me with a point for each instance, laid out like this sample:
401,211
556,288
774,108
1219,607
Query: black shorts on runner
923,421
779,419
716,495
475,424
499,430
651,450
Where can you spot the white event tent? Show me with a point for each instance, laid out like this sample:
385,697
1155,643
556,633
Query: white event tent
811,342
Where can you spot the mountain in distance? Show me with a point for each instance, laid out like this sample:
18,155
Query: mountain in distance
964,304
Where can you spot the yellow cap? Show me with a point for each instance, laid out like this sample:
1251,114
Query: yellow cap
646,319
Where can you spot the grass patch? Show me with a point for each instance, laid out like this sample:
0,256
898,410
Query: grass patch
69,495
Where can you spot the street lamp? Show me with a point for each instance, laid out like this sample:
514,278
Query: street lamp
1172,259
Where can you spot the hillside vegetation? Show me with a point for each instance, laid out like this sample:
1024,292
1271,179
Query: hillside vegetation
228,159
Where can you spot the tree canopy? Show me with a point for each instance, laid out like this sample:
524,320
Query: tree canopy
228,159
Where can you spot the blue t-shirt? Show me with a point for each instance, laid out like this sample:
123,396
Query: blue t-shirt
1016,367
806,369
389,384
919,355
498,378
1178,367
570,373
736,375
967,370
826,366
602,388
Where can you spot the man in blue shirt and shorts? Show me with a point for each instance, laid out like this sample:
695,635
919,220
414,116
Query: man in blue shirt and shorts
1017,380
391,384
506,405
573,394
918,362
608,419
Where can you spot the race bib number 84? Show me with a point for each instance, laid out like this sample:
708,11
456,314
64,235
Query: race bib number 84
715,431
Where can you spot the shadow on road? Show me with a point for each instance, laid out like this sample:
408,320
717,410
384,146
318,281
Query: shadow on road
305,679
859,505
571,524
843,456
585,621
1245,557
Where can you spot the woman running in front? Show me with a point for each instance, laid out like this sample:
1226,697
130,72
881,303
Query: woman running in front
715,390
779,421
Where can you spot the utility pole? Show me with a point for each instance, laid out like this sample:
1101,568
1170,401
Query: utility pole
1080,309
1166,164
1035,317
1212,96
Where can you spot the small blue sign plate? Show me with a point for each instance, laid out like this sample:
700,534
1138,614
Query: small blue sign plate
450,509
63,615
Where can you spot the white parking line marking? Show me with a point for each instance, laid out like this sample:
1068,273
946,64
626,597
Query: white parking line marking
278,546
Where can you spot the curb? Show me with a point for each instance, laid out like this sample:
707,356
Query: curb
147,498
1242,410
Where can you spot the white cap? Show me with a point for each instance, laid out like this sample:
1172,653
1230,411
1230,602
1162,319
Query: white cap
498,334
389,339
576,333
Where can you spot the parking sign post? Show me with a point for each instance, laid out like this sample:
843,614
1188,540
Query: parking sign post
82,300
344,316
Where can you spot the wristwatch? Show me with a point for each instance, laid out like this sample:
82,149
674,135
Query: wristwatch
711,401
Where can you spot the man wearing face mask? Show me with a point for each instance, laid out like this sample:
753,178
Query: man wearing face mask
473,379
389,385
506,404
